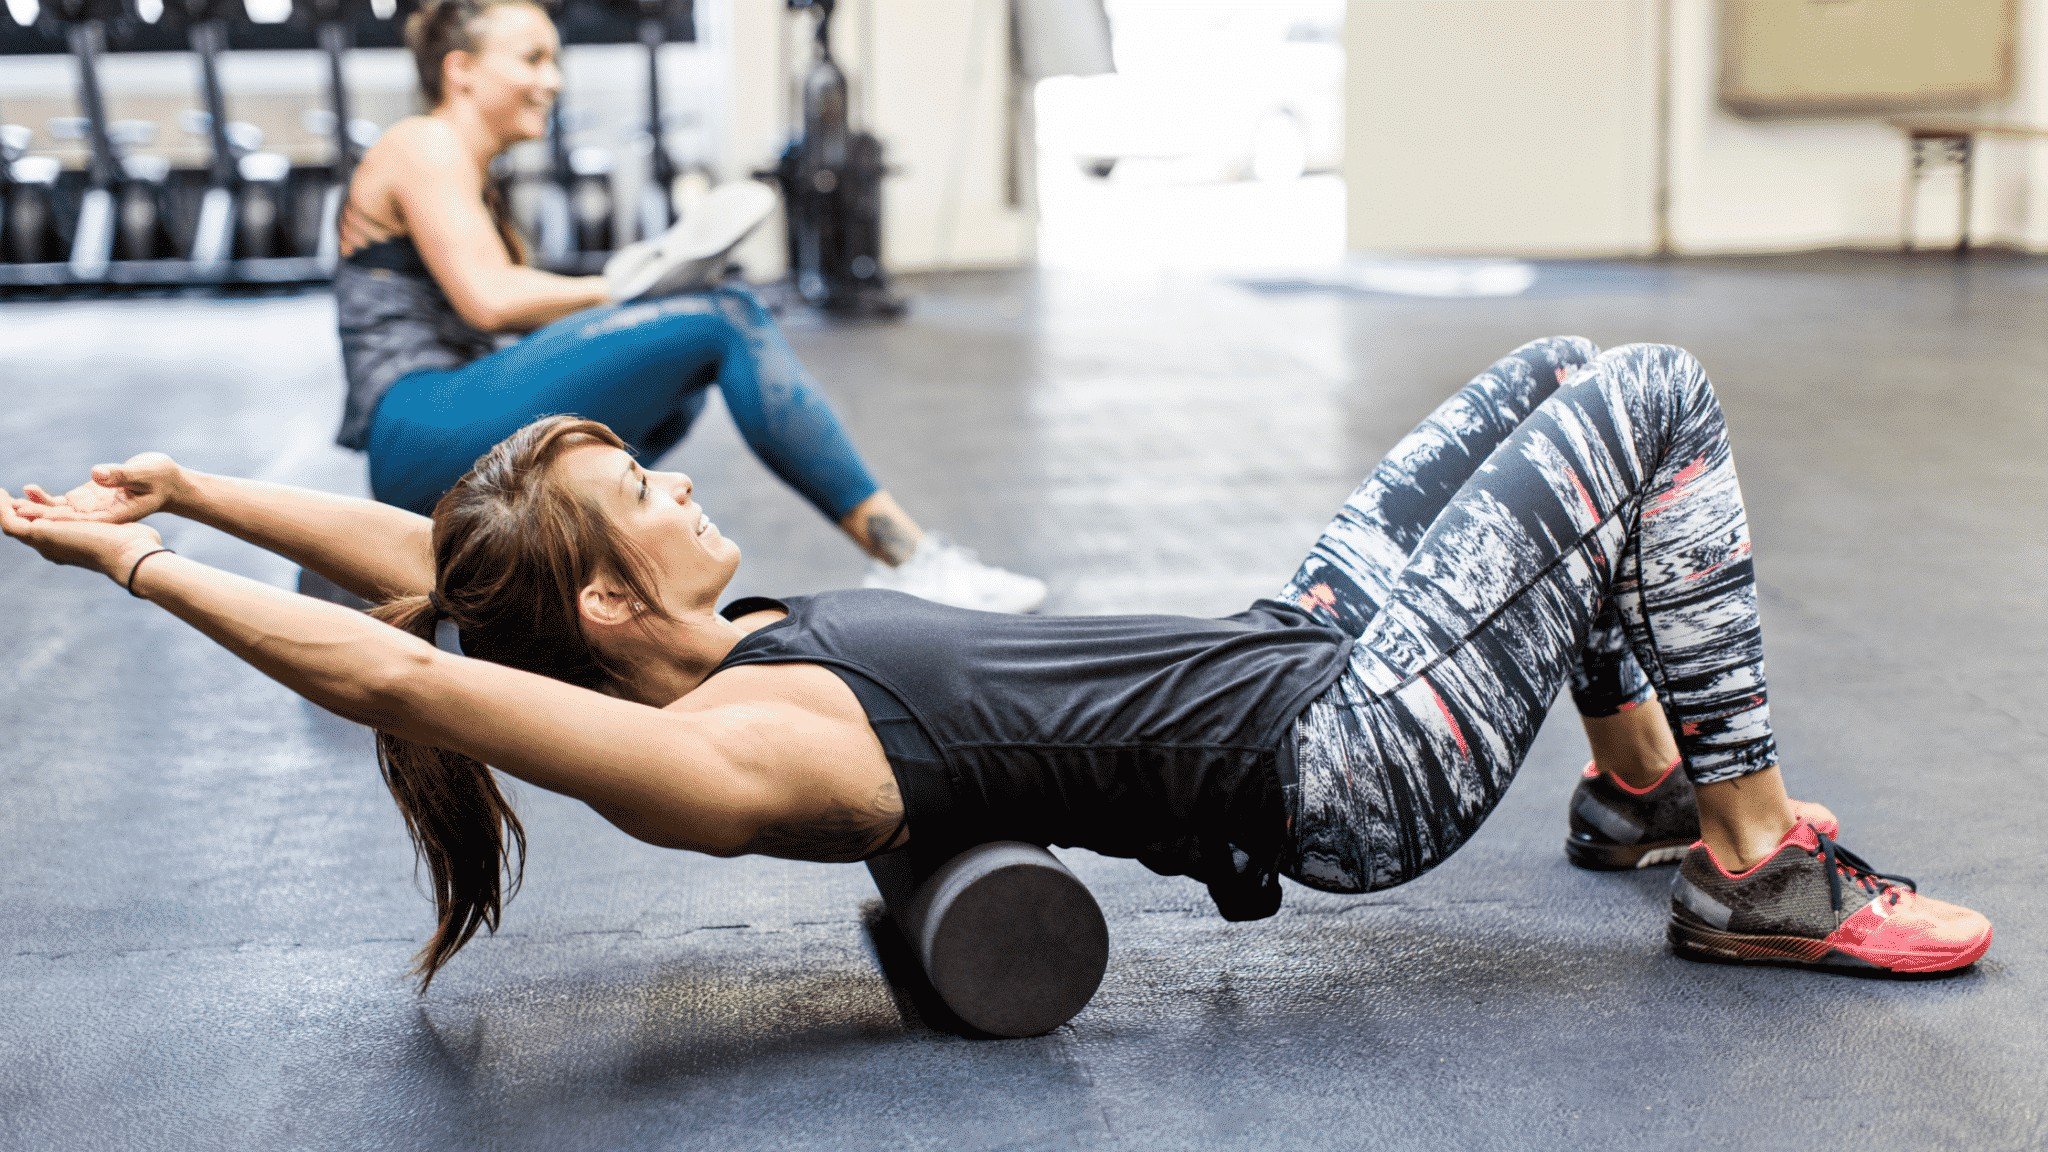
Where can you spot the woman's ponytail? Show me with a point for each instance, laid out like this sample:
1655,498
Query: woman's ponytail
513,548
462,827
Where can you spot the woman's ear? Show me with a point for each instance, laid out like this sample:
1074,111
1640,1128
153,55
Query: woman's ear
603,604
455,68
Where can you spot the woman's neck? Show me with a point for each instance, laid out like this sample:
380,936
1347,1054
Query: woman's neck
669,659
482,144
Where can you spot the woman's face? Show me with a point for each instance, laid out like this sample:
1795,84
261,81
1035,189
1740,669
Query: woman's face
691,561
512,77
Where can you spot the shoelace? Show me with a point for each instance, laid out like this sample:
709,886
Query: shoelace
1839,860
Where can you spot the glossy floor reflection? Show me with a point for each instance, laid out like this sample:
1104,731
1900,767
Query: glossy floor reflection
209,902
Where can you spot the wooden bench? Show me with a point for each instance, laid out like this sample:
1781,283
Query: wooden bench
1954,140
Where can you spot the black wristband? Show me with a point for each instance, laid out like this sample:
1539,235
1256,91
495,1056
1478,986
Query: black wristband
130,583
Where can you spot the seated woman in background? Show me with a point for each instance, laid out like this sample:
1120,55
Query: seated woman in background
433,271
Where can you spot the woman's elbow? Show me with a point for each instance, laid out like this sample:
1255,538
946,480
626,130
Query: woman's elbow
479,297
391,695
482,316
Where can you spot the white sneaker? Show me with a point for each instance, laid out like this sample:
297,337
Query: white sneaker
944,572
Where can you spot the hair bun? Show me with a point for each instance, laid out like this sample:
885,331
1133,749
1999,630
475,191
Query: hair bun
420,25
443,26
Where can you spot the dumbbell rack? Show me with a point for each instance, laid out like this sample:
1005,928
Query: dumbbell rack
35,187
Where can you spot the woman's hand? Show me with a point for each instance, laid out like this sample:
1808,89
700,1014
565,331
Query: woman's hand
107,548
116,494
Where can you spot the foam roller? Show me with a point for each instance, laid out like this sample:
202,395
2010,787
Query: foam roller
1012,941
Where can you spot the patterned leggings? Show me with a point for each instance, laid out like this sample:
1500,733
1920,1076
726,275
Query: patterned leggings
1565,518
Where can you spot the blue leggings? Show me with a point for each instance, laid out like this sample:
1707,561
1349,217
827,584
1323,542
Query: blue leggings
644,370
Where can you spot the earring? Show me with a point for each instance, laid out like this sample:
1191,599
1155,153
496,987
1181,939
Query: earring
639,607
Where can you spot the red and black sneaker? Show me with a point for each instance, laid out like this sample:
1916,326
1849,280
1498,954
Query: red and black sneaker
1815,904
1614,826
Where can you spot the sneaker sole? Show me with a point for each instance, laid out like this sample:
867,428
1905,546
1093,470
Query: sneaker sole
1597,857
717,225
685,257
1691,939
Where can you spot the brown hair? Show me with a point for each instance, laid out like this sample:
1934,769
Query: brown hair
441,27
512,552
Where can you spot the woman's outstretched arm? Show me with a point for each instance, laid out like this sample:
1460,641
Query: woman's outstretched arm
682,779
374,550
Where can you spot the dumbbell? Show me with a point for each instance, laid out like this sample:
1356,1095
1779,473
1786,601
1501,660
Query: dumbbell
1011,940
140,215
29,232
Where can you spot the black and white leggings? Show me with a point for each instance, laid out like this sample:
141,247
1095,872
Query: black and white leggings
1569,516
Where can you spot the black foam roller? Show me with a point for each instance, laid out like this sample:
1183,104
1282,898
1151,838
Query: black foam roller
1012,941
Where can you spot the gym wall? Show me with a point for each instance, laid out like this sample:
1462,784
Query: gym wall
1501,126
1482,126
933,81
270,88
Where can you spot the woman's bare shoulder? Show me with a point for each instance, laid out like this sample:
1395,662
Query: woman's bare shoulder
416,153
415,146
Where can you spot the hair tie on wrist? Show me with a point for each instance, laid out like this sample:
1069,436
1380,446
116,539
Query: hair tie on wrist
130,582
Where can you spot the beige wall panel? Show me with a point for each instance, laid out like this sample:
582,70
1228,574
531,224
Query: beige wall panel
940,100
1444,97
2014,200
1779,185
1802,57
937,76
1500,126
757,108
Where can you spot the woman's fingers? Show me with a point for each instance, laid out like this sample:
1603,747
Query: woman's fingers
11,521
38,505
14,524
144,472
34,512
116,494
92,500
34,535
73,540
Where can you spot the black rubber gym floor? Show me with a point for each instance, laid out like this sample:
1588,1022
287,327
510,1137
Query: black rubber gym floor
208,902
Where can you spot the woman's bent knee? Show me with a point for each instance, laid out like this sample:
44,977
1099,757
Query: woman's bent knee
1572,352
1665,383
1660,367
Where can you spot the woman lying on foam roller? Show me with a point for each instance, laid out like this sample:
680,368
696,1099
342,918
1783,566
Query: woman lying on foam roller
432,271
1563,519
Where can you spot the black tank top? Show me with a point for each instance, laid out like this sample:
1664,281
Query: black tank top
394,320
1153,737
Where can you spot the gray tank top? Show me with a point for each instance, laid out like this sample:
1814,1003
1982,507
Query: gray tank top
394,321
1154,737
